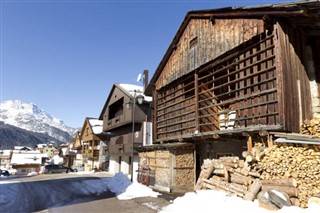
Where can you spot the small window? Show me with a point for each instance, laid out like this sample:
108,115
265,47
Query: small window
193,42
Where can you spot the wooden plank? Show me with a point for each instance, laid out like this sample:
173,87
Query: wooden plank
255,82
280,64
196,92
262,77
249,143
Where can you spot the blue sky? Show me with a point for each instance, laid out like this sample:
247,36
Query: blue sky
65,56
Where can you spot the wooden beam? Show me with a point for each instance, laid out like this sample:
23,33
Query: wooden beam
196,92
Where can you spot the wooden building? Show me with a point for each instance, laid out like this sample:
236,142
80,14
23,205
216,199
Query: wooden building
118,115
93,140
77,147
167,167
239,71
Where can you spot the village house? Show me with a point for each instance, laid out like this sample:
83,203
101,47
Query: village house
5,156
231,75
67,153
127,122
93,144
50,150
40,146
27,161
77,147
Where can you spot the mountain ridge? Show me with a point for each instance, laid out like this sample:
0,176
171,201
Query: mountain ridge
28,117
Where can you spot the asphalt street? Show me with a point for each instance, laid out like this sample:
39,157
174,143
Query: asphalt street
57,193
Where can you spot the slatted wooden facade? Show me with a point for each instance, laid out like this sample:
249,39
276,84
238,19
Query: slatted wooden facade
233,74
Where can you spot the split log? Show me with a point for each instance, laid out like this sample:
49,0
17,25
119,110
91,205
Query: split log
280,182
233,188
205,174
240,179
245,154
233,159
290,190
242,171
253,190
254,174
294,201
250,158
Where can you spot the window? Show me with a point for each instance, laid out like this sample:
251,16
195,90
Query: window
116,109
193,42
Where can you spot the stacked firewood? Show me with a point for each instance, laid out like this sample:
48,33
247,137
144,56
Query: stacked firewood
291,169
301,163
311,127
229,174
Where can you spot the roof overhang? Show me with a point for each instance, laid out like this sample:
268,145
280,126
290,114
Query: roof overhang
298,11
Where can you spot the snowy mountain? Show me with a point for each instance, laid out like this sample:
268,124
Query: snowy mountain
30,117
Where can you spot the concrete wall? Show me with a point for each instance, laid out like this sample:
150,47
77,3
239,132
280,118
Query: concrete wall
114,166
125,166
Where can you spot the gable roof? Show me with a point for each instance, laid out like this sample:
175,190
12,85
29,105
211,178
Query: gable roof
95,125
302,13
77,142
27,158
127,89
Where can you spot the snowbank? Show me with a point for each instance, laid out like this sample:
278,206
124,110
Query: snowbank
210,200
125,189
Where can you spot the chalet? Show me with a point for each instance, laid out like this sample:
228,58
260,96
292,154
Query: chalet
77,147
67,153
93,140
127,122
5,156
50,150
27,161
230,74
40,146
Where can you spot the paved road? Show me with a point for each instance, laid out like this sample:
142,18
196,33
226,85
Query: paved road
62,193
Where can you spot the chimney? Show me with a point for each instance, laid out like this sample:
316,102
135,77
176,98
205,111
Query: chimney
145,80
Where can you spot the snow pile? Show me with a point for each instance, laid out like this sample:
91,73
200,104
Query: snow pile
125,189
211,200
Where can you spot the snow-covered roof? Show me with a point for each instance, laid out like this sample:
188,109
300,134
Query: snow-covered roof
135,90
96,125
5,152
41,145
26,151
21,147
27,158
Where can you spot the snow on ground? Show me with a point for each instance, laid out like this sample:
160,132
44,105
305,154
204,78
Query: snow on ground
209,200
199,201
124,189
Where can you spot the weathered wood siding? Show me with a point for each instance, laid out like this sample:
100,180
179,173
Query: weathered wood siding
236,90
203,41
295,87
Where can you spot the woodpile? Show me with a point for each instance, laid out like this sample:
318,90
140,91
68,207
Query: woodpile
301,163
311,127
291,169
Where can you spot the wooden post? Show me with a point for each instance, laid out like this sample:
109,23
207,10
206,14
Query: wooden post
196,93
249,141
270,141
